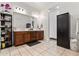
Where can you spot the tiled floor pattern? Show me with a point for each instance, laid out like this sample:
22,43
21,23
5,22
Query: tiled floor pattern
45,48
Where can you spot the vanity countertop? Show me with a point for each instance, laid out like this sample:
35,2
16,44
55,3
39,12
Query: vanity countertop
29,30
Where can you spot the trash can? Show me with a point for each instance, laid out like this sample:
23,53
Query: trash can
73,44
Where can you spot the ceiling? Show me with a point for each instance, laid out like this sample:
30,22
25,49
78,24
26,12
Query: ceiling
41,6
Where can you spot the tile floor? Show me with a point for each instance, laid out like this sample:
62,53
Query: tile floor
45,48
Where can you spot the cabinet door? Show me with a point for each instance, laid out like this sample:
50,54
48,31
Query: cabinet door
19,38
59,30
63,30
33,35
27,37
40,35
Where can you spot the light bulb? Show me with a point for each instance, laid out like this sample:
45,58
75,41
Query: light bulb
57,7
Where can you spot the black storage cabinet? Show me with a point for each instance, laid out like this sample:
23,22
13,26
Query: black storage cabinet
63,30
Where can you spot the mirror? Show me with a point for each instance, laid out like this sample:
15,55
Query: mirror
24,21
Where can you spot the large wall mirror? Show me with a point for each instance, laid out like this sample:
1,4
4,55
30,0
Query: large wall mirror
24,21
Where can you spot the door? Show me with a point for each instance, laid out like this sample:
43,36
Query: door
52,25
59,31
63,30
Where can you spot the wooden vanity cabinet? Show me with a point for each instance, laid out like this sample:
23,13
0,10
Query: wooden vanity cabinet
27,37
40,35
19,38
33,35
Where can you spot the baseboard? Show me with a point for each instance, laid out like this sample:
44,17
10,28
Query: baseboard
53,38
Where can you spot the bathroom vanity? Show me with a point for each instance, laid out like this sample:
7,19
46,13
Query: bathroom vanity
22,37
27,29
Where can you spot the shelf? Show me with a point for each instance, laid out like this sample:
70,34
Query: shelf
6,47
5,27
3,33
6,36
5,20
6,13
2,26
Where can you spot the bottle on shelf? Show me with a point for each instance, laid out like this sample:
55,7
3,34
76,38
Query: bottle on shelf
3,42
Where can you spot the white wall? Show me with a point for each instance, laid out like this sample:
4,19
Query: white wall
44,21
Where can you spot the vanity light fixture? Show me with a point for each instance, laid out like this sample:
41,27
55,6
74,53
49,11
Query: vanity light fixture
57,7
19,10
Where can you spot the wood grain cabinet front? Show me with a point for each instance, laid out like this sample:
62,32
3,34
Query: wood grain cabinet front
27,37
33,35
40,35
18,38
